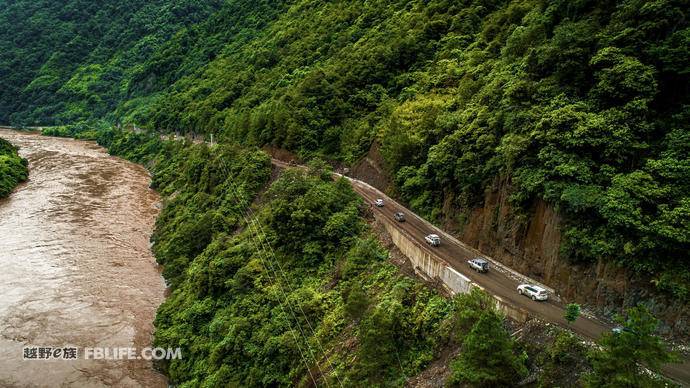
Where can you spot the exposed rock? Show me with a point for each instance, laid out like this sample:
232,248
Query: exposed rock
370,169
531,245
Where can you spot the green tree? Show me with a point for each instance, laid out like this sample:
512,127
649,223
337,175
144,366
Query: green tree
626,352
562,357
379,336
356,302
468,309
488,357
572,311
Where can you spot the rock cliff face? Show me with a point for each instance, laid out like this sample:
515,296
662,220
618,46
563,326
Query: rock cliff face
370,169
531,244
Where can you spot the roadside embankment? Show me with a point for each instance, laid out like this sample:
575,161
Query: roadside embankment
13,168
431,267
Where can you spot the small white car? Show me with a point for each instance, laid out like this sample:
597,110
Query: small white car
378,202
433,240
534,292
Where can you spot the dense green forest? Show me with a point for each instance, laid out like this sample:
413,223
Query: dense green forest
583,104
281,286
13,168
61,61
276,281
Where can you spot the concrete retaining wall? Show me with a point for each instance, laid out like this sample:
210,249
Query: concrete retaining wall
515,313
433,268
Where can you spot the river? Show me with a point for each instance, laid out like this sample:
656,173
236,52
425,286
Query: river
76,269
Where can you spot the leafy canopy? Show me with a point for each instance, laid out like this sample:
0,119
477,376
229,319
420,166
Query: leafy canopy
628,351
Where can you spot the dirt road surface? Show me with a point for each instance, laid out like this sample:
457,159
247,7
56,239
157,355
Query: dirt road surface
501,282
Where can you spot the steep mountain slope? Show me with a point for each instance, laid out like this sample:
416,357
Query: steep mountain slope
276,280
61,61
580,104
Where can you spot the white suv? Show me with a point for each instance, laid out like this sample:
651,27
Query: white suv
433,240
534,292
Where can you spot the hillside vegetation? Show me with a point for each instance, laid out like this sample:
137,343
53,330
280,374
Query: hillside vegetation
282,287
583,104
13,168
276,281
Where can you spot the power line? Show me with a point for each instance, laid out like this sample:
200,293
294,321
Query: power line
233,192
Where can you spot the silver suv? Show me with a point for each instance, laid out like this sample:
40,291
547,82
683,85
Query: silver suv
478,264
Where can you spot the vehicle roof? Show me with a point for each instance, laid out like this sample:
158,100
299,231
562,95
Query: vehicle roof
479,260
433,235
534,286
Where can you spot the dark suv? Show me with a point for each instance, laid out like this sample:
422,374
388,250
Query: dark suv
399,216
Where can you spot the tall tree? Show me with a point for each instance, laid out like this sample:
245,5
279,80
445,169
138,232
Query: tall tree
572,311
627,351
488,356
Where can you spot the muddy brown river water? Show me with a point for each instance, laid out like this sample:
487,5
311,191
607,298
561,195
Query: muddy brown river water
76,269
